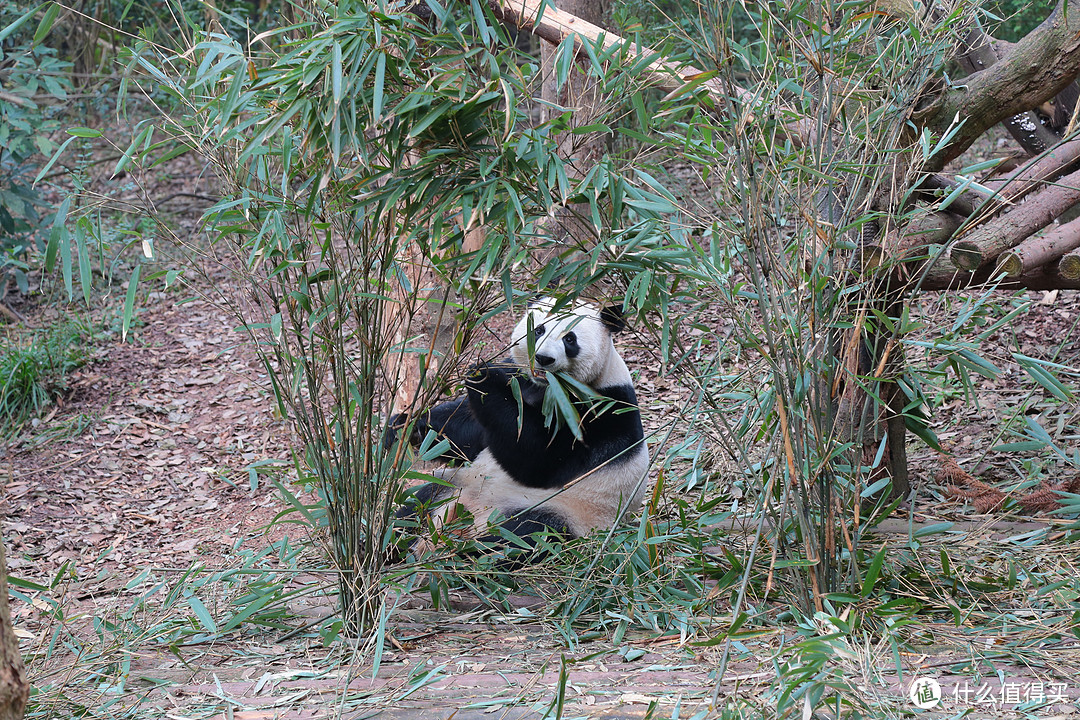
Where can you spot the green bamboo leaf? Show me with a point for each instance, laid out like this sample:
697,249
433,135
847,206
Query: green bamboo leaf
52,161
46,23
434,114
252,608
84,132
564,58
872,572
81,229
1041,373
932,529
129,302
978,363
379,88
335,73
202,613
64,244
1022,446
563,408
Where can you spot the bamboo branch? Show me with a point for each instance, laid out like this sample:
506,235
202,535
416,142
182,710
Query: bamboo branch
1038,251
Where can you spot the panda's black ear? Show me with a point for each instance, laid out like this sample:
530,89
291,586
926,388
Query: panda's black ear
612,317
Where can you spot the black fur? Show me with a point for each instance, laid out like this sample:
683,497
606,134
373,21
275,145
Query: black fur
452,420
534,456
487,417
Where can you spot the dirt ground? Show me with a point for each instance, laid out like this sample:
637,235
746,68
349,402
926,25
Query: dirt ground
143,466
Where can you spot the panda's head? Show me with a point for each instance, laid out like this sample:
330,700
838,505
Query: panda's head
574,339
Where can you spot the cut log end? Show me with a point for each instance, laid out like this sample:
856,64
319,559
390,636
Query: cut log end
1011,264
966,256
1069,266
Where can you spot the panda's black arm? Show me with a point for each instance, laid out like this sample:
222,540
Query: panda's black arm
533,455
452,420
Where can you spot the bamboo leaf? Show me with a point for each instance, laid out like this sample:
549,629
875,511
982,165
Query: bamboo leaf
870,579
129,302
202,614
47,20
932,529
82,227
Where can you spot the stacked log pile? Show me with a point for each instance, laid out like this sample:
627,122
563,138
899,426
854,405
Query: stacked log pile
1006,231
1012,232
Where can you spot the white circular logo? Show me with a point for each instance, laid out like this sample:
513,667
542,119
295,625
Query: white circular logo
925,693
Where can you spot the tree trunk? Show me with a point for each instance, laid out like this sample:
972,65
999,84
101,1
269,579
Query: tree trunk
14,688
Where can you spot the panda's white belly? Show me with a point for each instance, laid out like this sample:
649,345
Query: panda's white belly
596,500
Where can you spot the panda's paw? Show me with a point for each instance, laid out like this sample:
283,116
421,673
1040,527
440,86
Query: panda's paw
398,423
489,377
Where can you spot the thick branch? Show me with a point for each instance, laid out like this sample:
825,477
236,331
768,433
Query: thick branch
1038,251
1039,67
985,242
548,23
1025,127
1051,165
933,228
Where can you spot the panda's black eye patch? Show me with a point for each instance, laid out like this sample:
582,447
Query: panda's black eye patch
570,339
538,331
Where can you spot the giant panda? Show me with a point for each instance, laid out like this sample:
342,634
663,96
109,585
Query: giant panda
520,474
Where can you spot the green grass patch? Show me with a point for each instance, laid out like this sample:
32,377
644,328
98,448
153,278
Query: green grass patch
34,368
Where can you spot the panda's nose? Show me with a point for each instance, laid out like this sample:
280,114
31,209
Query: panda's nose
544,360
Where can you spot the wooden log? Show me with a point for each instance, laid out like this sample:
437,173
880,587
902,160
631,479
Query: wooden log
547,22
980,247
978,53
942,275
1069,265
1031,176
933,228
966,203
1037,251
